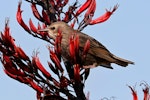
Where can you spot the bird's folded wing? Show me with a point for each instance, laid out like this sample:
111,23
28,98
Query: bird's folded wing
96,48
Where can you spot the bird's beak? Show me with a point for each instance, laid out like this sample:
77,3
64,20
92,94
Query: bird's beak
43,30
50,34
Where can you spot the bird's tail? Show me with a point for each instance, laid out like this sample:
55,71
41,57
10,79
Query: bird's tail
122,62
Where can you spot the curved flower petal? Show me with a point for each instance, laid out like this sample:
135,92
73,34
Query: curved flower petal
91,10
32,27
45,17
83,7
55,59
34,85
104,17
77,73
19,18
41,67
35,12
21,53
86,47
135,97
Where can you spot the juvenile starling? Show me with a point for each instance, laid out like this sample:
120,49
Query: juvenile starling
98,55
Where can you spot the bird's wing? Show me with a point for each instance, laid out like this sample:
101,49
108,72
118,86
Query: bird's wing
96,48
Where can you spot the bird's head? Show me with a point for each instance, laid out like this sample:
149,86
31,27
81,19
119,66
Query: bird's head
56,27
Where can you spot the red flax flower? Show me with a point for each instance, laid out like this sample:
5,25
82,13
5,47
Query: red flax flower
83,7
104,17
134,93
64,82
56,60
31,72
45,17
35,12
42,34
32,27
57,45
7,38
77,73
21,53
90,11
11,67
53,11
16,77
41,67
76,45
34,85
72,48
86,48
145,91
19,18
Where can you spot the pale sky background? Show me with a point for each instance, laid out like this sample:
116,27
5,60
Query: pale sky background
126,34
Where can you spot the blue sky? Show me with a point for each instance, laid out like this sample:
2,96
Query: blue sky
125,34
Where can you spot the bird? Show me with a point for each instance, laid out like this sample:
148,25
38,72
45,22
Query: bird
98,54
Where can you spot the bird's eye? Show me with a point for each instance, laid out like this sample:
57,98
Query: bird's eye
52,28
